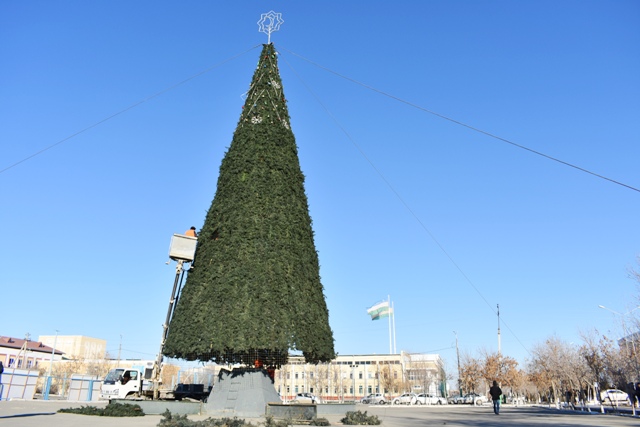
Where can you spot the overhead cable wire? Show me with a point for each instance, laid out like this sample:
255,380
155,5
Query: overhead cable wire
475,129
399,197
132,106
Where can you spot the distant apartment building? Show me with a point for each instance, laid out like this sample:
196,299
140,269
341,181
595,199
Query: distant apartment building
352,377
77,346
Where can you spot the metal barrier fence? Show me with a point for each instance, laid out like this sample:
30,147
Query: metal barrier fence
84,388
18,384
25,384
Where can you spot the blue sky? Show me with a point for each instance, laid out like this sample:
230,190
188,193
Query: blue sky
447,221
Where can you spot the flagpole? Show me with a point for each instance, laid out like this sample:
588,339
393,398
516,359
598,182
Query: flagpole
389,302
393,313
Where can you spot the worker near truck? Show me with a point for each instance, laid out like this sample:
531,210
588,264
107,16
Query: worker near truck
126,378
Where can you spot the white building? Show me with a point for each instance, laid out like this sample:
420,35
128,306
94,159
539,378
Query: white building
351,377
26,354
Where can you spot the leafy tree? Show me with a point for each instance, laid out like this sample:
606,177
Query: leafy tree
470,373
255,292
503,369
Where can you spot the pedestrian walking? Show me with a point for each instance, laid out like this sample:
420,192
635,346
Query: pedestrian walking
495,393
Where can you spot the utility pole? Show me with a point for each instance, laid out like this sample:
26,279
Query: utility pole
499,350
119,351
53,352
458,356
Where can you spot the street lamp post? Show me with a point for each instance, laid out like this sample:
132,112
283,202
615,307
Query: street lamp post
48,383
627,336
458,356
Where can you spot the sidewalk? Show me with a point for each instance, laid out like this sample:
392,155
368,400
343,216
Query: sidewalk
38,413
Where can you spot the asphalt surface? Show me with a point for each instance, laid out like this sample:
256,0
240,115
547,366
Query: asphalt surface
39,413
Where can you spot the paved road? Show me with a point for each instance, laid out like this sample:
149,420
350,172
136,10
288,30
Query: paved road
43,413
466,416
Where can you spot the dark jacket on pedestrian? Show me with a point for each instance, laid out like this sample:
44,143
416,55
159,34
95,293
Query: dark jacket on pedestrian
495,391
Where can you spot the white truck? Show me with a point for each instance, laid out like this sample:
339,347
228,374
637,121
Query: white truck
130,383
137,383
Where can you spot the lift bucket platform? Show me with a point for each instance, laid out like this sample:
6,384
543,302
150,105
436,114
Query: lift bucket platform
183,248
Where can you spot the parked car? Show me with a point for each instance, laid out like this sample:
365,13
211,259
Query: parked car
469,399
476,398
429,399
404,399
374,399
306,398
614,396
456,399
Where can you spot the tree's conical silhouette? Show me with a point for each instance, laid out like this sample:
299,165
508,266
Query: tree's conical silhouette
255,291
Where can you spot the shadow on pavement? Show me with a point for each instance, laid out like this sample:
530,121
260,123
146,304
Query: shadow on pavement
27,415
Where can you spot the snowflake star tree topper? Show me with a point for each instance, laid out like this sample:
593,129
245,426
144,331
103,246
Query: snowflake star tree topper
270,22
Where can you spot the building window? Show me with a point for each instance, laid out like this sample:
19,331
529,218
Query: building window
395,375
360,375
296,375
310,389
369,390
288,375
360,389
296,389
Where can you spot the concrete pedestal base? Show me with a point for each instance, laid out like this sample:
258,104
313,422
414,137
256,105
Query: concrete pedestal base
242,392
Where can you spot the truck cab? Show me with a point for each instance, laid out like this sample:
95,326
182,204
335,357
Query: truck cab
121,383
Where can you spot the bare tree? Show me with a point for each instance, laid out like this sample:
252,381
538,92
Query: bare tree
320,379
388,380
558,368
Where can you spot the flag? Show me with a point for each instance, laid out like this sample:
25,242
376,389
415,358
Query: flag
382,314
379,310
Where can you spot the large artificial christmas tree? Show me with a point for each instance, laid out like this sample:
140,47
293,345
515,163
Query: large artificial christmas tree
254,292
